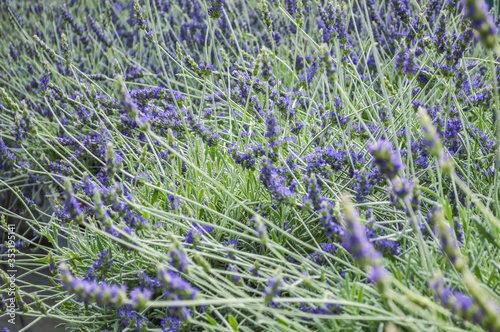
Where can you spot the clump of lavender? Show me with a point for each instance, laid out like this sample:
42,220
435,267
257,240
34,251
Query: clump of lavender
216,137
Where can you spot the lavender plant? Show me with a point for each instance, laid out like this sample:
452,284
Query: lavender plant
192,165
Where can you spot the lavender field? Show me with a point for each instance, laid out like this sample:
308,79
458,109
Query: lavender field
249,165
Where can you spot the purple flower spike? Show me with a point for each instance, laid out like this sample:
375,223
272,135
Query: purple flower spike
385,158
377,274
482,21
171,324
176,288
178,259
355,240
448,241
357,243
402,187
272,288
71,204
215,9
140,297
465,306
91,291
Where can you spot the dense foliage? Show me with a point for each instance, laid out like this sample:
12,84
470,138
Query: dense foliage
243,165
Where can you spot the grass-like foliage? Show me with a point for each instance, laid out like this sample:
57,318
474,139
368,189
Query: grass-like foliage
189,165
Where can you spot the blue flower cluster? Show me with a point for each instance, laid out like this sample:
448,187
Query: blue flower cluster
296,156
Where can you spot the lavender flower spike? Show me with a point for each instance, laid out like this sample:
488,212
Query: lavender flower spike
175,286
89,290
448,241
216,8
111,163
385,158
178,258
140,297
127,103
272,289
356,242
71,204
477,308
482,21
432,138
461,304
490,307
